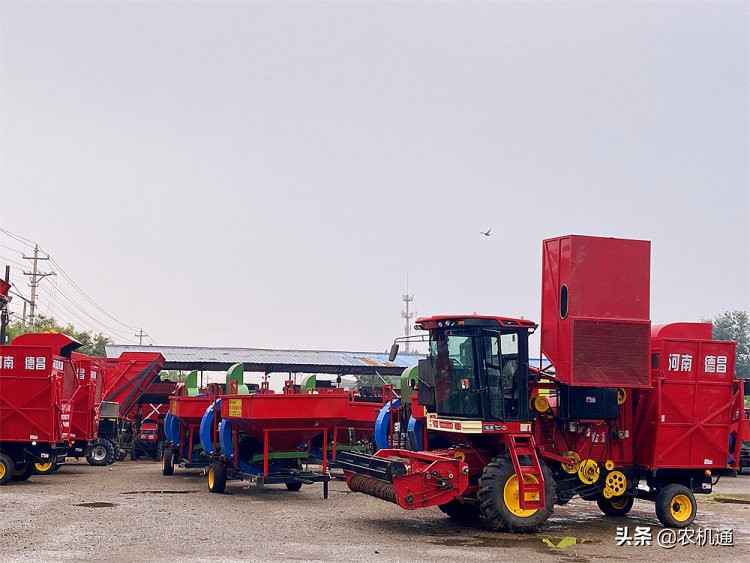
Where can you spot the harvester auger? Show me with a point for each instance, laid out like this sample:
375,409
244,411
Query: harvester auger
624,410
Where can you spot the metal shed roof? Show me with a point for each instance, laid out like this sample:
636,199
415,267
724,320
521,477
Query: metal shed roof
274,361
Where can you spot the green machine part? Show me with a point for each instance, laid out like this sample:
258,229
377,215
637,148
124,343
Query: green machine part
191,384
237,373
308,384
408,383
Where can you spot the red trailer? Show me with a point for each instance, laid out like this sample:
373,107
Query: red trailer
263,437
37,381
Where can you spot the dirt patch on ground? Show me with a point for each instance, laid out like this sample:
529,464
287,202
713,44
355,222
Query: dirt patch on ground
130,511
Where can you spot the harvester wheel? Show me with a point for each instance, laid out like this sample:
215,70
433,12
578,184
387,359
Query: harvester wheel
462,512
217,478
615,506
296,486
675,506
6,469
499,500
167,462
100,453
45,468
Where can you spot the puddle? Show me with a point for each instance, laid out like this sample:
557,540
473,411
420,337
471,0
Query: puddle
97,504
566,541
159,492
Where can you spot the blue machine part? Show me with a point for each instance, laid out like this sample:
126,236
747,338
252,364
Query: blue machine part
207,423
171,428
225,438
417,427
382,423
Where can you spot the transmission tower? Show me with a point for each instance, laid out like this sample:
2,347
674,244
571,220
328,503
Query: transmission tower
407,315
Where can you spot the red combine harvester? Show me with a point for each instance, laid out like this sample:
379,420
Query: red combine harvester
132,381
36,382
624,410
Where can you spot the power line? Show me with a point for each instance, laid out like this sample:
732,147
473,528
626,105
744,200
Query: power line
52,303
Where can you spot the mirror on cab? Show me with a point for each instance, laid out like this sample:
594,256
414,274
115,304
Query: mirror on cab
394,352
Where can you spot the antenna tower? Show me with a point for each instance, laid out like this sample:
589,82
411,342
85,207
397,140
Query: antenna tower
407,315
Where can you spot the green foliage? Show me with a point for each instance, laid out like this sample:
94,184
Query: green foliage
735,325
171,375
93,344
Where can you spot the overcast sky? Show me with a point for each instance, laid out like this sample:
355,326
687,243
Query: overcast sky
268,174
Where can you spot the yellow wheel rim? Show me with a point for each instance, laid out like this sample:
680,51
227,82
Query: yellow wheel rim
43,466
211,478
2,470
619,503
511,496
681,508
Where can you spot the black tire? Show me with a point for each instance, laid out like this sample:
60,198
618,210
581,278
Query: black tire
6,469
217,478
498,485
296,486
45,468
676,506
115,447
100,453
23,471
616,506
461,512
167,462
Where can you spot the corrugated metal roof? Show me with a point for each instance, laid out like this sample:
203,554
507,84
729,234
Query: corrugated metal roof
271,361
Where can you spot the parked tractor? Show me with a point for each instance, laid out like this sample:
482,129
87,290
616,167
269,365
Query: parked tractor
620,410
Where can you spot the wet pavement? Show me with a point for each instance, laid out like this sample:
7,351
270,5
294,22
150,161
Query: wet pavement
130,512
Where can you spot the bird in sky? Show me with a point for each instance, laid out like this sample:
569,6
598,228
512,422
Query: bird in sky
486,233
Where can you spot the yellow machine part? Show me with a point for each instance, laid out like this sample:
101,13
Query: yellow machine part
588,472
609,465
622,395
607,492
617,482
571,468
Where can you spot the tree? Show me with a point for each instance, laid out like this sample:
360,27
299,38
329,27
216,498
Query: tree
735,325
92,344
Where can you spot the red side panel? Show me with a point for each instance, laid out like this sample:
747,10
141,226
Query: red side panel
32,383
595,310
86,399
685,421
126,378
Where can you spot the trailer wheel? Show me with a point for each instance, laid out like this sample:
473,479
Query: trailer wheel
45,468
499,502
217,478
616,506
23,471
462,512
675,506
100,453
167,462
296,486
6,469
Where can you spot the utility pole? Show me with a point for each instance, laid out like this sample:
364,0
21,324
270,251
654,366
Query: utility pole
140,336
4,299
36,276
407,315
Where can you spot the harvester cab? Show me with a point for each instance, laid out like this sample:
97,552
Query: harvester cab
477,368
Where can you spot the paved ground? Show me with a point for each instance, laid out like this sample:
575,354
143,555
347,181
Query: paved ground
129,512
